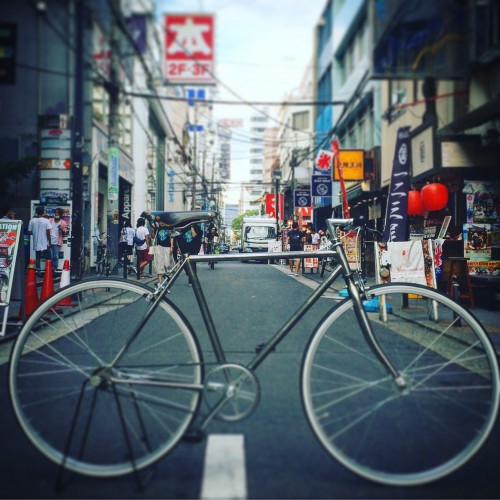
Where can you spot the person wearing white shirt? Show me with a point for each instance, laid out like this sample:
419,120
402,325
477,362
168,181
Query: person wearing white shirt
39,228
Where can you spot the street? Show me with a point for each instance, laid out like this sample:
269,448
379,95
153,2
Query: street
271,454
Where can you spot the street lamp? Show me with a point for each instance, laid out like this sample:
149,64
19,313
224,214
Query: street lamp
277,177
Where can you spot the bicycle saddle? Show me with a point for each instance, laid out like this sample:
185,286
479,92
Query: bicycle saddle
180,219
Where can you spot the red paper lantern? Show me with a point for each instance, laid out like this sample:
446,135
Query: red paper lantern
415,206
434,196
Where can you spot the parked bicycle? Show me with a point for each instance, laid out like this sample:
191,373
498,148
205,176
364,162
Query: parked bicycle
393,386
102,263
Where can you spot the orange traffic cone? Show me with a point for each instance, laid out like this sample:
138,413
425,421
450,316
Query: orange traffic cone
65,282
31,299
48,281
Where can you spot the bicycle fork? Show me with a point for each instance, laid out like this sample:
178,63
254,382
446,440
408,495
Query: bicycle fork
364,321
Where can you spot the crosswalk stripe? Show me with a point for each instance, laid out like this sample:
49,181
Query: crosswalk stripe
224,474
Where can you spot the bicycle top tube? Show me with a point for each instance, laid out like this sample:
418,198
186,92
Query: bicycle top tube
263,256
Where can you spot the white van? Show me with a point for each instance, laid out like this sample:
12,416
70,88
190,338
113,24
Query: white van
257,232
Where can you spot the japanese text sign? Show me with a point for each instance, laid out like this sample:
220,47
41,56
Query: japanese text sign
189,48
352,162
271,207
323,163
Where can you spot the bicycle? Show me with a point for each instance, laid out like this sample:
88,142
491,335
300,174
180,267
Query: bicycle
102,264
397,393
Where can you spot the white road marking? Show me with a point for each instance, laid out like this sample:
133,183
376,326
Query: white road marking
329,294
224,474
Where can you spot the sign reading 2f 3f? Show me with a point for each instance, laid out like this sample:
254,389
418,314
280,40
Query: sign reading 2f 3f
189,48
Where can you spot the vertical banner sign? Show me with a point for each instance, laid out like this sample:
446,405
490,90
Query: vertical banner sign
302,198
189,48
271,206
396,215
113,171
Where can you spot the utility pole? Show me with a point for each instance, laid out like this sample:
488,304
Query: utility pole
195,156
77,143
112,209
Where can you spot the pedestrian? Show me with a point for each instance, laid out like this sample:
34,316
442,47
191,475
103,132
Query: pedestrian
57,230
142,234
164,259
314,238
211,239
39,227
126,245
189,242
8,213
295,244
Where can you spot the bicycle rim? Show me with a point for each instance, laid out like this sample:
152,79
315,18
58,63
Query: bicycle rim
96,425
384,433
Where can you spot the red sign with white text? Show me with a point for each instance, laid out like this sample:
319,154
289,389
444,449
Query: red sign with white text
189,48
271,208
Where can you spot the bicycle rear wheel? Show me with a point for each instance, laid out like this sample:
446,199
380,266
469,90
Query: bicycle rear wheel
90,419
401,436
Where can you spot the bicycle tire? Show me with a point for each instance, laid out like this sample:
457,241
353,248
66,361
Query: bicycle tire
54,378
379,431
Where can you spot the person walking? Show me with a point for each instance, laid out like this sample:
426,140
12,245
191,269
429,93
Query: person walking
142,233
294,241
164,259
211,239
39,228
126,244
57,230
189,242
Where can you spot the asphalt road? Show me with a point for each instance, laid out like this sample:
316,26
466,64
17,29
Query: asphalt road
271,454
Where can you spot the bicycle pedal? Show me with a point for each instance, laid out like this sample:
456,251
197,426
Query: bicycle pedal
194,436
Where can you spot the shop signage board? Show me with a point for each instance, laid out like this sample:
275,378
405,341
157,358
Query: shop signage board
10,236
189,48
310,262
352,162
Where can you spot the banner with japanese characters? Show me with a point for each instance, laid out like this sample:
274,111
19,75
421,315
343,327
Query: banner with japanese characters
324,162
189,48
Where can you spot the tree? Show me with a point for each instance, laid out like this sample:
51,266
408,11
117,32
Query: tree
238,221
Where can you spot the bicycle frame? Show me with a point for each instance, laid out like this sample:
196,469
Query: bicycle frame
342,267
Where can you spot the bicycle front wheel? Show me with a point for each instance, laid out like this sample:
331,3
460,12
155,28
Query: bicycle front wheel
389,434
86,416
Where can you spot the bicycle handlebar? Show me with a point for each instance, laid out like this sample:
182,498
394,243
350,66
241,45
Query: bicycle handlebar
346,223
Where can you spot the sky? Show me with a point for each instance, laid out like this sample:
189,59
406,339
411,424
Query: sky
262,50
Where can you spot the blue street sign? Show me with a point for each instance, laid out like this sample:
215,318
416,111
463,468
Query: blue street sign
321,185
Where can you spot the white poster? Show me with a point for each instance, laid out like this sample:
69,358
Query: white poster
407,262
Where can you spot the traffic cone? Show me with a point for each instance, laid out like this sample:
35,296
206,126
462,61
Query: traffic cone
31,299
48,281
65,282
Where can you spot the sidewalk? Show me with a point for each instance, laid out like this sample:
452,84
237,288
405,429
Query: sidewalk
489,318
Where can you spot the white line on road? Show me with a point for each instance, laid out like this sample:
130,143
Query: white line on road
224,474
